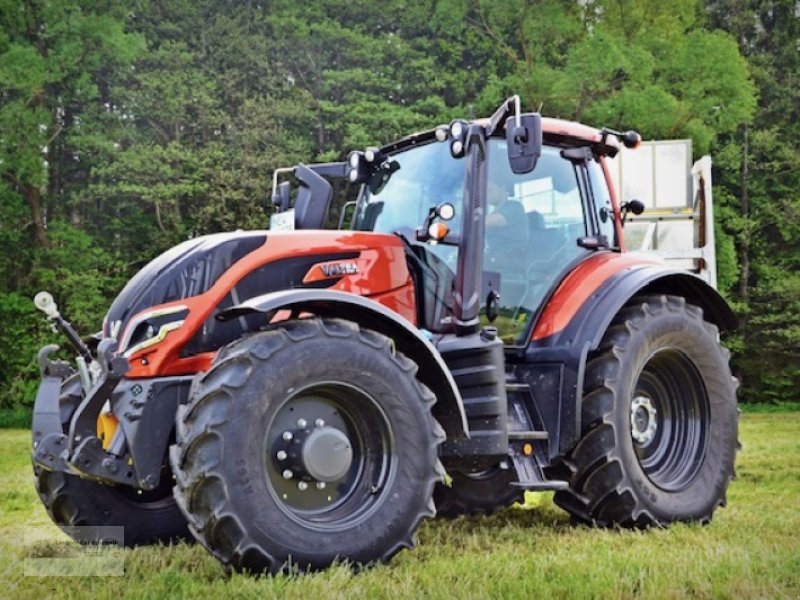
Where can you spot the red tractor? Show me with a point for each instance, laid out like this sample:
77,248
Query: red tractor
299,397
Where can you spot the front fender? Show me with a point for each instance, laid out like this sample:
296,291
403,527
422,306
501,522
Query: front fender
433,371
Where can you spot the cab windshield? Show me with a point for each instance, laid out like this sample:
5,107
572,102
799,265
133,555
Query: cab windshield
533,223
418,179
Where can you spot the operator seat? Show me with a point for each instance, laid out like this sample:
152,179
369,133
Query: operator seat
544,241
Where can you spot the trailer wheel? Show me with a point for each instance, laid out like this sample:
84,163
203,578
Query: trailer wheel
305,444
659,421
483,492
72,503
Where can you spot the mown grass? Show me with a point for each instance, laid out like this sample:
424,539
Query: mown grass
752,548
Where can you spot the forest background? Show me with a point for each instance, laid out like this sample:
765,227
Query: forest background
128,126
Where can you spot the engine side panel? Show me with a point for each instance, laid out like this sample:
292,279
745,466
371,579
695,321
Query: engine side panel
378,269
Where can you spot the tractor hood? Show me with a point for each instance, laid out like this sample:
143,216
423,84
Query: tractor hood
188,269
187,286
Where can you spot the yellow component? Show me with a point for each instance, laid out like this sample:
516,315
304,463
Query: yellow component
527,449
106,428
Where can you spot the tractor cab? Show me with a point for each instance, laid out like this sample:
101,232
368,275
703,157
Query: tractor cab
534,224
525,226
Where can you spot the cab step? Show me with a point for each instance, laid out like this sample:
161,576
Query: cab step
525,436
528,458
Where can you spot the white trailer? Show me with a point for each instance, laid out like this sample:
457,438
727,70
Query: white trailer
678,222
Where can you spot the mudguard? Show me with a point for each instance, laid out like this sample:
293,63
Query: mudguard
557,356
433,371
591,320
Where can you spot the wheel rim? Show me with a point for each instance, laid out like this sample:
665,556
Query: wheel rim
329,455
669,420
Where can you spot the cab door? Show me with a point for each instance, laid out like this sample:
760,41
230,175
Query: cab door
539,225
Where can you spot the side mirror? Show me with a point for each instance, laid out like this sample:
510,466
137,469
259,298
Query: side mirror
313,199
524,140
634,206
631,206
281,199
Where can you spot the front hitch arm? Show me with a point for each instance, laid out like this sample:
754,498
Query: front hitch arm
79,451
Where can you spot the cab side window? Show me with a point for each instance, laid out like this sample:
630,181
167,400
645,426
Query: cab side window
602,202
532,227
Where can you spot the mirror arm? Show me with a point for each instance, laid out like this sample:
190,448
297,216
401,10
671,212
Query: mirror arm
343,215
275,174
502,111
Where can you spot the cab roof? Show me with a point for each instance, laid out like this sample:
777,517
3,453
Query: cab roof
557,131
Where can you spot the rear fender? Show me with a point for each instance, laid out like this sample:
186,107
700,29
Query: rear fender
595,315
433,372
565,352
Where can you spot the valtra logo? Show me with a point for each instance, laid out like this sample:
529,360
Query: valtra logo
339,269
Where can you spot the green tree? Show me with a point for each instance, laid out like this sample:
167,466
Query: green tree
622,64
53,61
57,60
759,183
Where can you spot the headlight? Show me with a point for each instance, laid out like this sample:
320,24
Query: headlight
150,328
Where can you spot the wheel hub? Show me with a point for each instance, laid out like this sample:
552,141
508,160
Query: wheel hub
644,422
313,453
324,460
327,454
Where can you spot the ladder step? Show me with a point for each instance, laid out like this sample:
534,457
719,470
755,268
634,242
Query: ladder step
535,486
527,435
517,387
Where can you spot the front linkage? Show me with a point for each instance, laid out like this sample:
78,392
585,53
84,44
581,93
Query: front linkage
65,435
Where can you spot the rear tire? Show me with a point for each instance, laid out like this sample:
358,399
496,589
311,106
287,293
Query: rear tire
659,421
283,411
477,493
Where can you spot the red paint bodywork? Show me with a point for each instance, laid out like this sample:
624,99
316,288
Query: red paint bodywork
580,284
382,275
570,129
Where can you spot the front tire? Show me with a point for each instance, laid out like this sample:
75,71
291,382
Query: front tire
659,421
80,507
482,493
77,505
305,444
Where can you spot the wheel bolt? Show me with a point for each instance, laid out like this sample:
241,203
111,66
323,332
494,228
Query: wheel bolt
287,436
301,423
319,423
320,485
282,455
302,486
287,474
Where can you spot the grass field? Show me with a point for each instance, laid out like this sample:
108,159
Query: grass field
752,548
